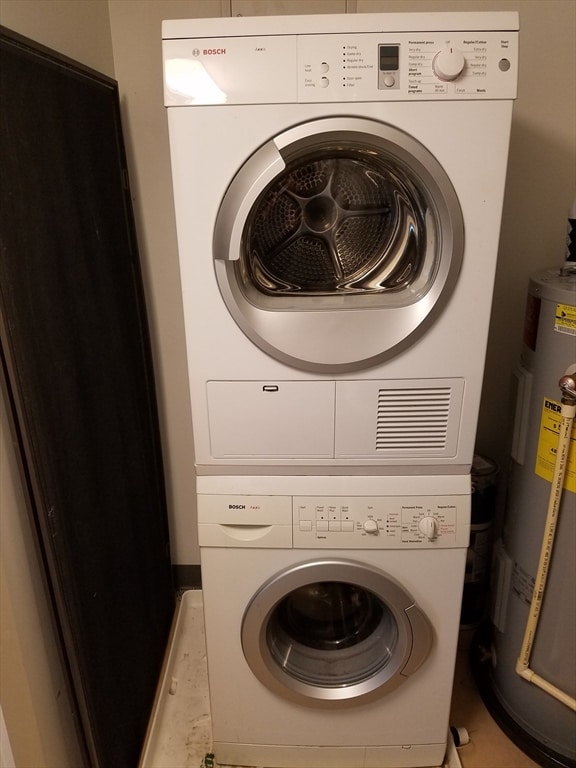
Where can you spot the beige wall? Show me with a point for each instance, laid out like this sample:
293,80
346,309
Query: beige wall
33,692
33,695
77,28
137,52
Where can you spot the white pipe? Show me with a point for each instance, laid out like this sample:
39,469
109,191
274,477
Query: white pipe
547,686
568,413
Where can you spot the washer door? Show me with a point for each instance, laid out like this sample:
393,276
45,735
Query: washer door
334,632
337,243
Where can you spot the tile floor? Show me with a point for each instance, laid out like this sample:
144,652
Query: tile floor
179,735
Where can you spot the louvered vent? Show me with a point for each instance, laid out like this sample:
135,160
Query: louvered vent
413,419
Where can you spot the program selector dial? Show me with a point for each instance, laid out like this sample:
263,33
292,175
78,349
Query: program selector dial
370,526
429,527
448,64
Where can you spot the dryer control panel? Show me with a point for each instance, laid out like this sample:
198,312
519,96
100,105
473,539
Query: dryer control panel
324,68
407,66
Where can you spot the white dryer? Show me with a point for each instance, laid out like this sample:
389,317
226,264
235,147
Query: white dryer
338,186
332,608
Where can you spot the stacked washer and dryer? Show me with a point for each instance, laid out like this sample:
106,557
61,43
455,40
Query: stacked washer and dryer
338,184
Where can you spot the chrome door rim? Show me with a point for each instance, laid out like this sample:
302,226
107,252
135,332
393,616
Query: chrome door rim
299,330
414,636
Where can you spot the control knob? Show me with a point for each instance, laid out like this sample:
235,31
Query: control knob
371,526
429,527
448,64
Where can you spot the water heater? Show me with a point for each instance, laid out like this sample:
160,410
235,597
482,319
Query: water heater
542,724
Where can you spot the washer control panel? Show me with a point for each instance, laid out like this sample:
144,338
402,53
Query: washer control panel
285,520
381,522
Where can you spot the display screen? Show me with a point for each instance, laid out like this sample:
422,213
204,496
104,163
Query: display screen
389,58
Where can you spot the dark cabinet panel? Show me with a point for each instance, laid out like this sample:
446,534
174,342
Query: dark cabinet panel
78,372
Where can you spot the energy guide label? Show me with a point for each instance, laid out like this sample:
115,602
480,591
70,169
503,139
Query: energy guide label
548,446
565,319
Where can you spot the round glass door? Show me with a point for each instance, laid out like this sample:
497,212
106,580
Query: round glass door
338,220
334,632
337,243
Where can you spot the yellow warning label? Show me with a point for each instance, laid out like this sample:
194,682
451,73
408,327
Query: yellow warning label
548,445
565,319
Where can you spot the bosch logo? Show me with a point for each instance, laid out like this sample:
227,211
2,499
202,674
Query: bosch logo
236,506
214,51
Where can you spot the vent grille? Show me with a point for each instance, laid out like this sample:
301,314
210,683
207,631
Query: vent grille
413,419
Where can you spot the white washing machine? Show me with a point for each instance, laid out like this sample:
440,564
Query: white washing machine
338,186
332,608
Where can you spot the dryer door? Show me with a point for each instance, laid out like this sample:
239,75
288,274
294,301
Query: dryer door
334,632
337,243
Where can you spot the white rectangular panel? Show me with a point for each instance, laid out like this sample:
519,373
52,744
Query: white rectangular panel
283,68
230,70
403,417
266,419
237,520
244,509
